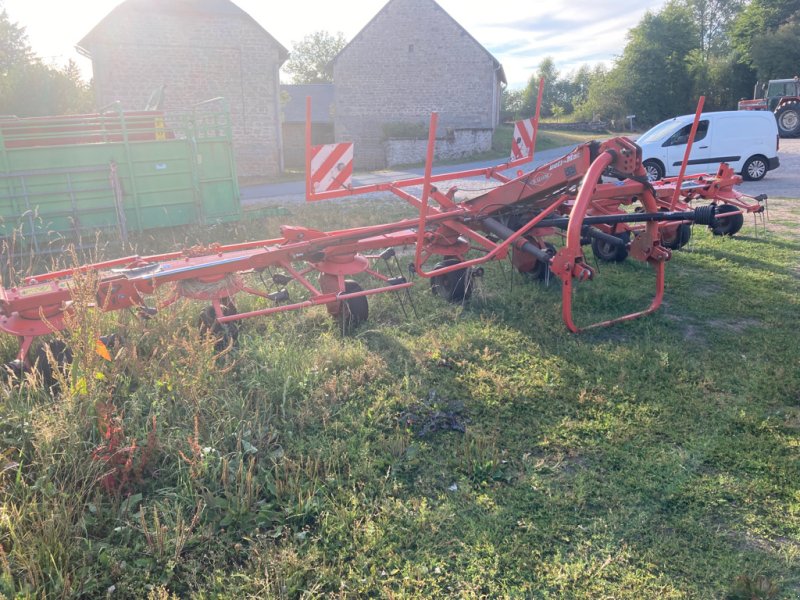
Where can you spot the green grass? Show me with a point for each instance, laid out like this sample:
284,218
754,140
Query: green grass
545,139
654,459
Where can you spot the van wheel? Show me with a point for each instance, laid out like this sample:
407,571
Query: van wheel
655,171
755,168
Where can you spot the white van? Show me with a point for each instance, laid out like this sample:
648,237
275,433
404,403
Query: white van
746,140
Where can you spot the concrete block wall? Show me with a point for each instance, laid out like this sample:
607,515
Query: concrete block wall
412,59
198,58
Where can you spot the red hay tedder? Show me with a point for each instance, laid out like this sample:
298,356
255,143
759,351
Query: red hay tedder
564,199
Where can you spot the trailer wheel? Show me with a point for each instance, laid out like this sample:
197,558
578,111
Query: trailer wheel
788,117
655,171
727,225
755,168
225,335
352,311
609,252
455,286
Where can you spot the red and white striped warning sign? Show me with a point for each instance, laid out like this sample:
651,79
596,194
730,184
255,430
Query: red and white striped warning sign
522,144
332,167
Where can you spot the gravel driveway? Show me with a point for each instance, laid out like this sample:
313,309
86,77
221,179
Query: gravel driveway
784,182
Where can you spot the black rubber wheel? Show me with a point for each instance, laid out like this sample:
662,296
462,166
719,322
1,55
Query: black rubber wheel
788,118
540,269
755,168
353,311
654,170
224,334
62,359
727,225
676,238
609,252
455,286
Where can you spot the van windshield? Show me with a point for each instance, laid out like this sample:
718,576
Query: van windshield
658,132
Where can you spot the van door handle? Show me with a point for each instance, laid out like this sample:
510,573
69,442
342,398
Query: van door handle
703,147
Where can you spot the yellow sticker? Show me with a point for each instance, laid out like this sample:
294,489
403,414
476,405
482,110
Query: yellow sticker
44,288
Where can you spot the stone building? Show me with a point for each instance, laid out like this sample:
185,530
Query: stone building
411,59
293,101
197,49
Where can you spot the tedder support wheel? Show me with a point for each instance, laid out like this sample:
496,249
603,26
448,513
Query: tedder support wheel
676,237
352,311
728,225
224,334
788,117
532,267
455,286
610,252
654,170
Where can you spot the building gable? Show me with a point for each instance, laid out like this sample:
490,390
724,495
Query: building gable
130,10
431,8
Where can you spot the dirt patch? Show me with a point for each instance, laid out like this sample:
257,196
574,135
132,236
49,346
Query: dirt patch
784,217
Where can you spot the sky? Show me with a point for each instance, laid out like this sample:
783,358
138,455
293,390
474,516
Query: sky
518,33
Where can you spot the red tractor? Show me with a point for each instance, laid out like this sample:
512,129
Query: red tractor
782,97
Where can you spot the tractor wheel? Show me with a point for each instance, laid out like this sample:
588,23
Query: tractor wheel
609,252
755,168
455,286
352,311
676,237
788,117
727,225
655,171
225,334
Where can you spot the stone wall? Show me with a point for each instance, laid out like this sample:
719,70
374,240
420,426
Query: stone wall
462,143
197,58
577,126
410,60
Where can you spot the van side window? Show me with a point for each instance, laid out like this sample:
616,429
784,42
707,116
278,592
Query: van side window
681,137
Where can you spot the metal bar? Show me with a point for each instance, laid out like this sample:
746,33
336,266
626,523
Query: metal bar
689,143
426,191
315,301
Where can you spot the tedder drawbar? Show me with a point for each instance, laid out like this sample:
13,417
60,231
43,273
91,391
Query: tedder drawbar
565,199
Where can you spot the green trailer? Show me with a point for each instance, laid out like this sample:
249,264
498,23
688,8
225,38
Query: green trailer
125,171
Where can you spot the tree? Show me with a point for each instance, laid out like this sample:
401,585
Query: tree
758,18
28,87
651,79
777,55
547,71
713,19
310,58
511,105
14,48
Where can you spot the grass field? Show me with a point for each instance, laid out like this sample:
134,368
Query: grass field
472,452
